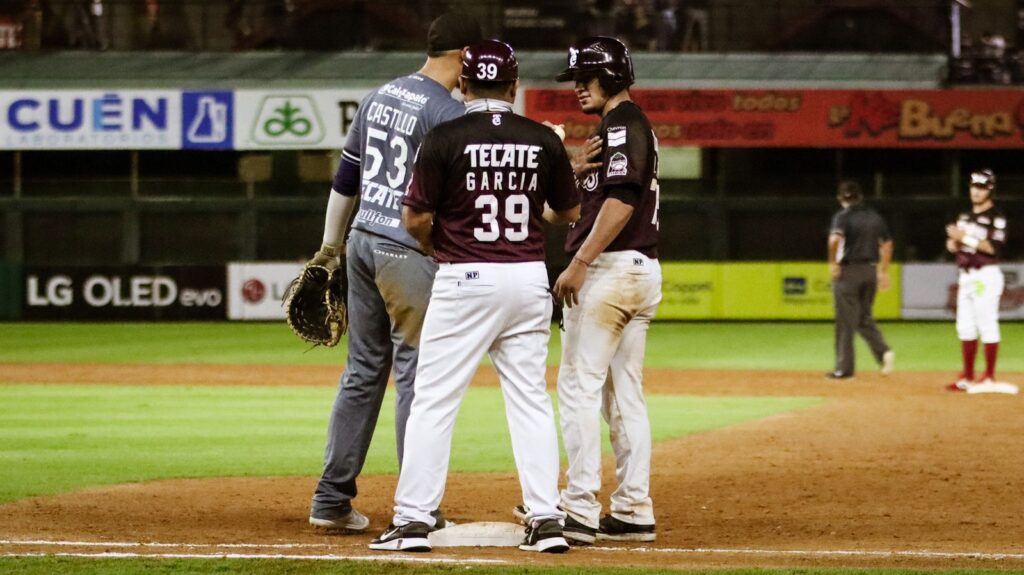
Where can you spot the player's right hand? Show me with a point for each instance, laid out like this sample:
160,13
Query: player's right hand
567,286
583,160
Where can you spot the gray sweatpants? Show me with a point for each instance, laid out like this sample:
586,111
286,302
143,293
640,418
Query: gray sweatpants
854,294
388,290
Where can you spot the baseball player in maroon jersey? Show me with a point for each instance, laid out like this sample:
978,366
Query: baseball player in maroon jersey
977,239
476,203
611,288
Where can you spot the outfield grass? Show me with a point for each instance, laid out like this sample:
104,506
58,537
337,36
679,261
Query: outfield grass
81,566
761,345
64,437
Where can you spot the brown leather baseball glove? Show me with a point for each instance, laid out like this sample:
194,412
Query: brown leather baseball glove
315,305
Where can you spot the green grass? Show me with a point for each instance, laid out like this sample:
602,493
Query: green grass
919,346
83,566
64,437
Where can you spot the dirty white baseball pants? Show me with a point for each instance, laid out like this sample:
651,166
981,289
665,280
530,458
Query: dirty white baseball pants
503,310
977,304
607,333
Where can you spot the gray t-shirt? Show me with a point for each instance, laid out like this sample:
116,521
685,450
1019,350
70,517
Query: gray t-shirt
383,141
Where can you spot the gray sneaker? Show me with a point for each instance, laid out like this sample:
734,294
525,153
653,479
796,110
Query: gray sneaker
351,522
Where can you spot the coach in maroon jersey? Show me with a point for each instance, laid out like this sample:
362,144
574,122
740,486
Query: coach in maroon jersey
612,288
476,203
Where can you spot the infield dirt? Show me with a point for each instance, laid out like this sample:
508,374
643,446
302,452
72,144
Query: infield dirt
884,465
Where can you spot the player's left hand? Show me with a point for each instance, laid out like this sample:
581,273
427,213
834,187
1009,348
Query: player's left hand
954,233
835,271
569,282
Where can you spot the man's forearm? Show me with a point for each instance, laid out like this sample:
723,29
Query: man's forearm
833,248
420,225
612,218
884,256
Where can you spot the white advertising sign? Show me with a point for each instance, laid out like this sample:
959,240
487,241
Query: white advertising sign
929,291
294,119
255,289
94,119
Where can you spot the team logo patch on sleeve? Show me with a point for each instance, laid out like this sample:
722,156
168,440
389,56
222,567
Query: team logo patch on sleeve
617,165
616,136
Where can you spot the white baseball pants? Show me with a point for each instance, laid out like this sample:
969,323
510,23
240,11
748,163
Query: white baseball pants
503,310
606,334
977,304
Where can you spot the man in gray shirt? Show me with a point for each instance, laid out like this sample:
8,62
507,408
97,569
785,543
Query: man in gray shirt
859,252
389,279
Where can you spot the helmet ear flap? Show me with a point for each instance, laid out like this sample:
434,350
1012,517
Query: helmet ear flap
612,82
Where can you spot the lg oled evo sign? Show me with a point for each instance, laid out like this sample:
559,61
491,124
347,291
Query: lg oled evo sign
811,118
171,120
124,293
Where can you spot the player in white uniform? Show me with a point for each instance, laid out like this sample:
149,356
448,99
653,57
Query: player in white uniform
615,260
476,204
977,239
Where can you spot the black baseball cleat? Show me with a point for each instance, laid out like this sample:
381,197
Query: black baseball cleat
838,375
577,533
612,529
440,521
545,536
408,537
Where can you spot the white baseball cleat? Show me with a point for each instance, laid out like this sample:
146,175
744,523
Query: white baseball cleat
888,362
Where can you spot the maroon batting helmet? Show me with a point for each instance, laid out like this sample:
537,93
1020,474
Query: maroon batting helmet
489,61
602,57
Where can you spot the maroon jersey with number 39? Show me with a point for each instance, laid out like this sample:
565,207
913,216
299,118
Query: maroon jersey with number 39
486,177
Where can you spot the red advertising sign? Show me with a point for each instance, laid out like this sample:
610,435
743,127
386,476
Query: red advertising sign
810,118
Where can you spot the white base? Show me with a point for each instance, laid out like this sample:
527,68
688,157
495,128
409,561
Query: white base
993,387
479,534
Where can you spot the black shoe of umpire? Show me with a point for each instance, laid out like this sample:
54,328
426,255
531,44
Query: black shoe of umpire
545,536
408,537
613,529
577,533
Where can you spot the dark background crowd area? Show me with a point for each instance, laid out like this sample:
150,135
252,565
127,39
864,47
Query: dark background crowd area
989,33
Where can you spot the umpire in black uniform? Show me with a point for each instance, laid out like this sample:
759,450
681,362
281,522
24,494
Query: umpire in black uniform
859,252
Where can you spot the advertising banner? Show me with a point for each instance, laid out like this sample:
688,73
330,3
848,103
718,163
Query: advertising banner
172,119
302,119
809,118
930,291
124,293
67,120
255,290
761,291
690,291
